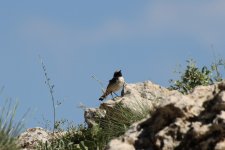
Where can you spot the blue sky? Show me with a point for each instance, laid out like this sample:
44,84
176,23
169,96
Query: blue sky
78,39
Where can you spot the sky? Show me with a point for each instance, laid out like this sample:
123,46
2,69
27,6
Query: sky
76,40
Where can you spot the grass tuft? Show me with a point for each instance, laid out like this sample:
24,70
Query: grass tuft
115,123
9,130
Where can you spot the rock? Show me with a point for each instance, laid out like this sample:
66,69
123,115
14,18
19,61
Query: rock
135,96
126,141
92,114
182,122
31,137
117,145
220,145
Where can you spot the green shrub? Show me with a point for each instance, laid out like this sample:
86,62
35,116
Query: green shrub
194,76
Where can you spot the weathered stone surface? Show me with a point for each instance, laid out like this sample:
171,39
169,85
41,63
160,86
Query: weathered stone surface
92,114
181,122
29,139
135,96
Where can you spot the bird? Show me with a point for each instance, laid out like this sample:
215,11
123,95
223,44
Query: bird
115,84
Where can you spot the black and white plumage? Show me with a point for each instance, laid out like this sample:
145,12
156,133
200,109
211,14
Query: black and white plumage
115,84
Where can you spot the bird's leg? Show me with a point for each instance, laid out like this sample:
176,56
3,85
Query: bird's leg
112,95
115,94
122,92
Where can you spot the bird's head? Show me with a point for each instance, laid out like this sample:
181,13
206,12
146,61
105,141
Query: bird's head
117,73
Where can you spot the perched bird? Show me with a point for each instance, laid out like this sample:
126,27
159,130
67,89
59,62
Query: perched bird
116,83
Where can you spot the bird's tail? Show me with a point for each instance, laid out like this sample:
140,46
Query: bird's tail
101,98
104,96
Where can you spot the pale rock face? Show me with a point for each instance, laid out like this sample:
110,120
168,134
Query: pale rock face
91,114
183,122
220,145
144,94
30,138
220,118
117,145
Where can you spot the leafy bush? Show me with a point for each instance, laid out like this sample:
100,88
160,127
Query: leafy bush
194,76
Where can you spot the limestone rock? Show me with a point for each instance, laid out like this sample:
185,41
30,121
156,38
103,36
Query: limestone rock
30,138
182,122
92,114
146,94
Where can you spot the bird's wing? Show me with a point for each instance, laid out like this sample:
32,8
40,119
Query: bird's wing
112,81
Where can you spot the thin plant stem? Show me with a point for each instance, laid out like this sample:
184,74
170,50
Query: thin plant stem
100,82
50,86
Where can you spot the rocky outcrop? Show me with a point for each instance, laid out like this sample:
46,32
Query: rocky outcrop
144,94
181,122
31,138
134,96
